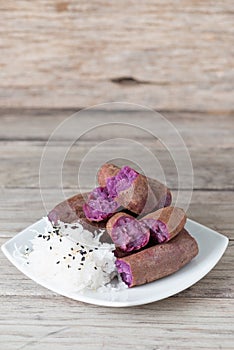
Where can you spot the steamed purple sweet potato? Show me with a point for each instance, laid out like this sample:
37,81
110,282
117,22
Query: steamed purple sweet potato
127,233
150,196
71,210
130,234
165,223
105,172
127,189
157,261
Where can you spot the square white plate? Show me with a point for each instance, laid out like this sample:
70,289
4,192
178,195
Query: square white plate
211,244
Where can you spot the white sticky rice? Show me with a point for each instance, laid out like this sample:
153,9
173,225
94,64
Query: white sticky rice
71,257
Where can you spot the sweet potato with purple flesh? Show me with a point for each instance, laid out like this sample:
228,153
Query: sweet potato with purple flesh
126,189
106,171
164,223
71,210
157,261
156,194
127,233
133,197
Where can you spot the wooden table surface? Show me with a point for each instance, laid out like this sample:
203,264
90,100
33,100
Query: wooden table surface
60,56
32,317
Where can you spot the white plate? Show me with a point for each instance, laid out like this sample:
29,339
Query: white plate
211,244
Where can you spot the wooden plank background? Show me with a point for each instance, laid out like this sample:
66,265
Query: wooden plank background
32,317
59,56
173,55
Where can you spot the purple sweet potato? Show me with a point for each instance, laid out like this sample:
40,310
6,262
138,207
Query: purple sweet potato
165,223
131,189
71,210
130,234
127,189
127,233
150,195
157,261
105,172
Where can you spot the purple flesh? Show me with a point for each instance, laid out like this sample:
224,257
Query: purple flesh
96,215
101,203
158,230
128,234
124,270
168,199
122,181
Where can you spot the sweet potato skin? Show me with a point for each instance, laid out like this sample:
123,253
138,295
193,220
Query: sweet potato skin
107,170
161,260
69,210
135,197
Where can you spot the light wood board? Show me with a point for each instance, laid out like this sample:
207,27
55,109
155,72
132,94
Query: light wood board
31,317
173,55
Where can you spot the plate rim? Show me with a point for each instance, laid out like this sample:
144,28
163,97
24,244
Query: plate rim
108,303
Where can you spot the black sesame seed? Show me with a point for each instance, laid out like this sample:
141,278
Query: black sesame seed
60,239
83,258
50,248
91,250
27,249
43,237
96,248
68,266
81,264
73,257
48,238
83,252
71,248
95,267
39,236
64,257
69,255
27,262
82,246
77,243
79,268
58,262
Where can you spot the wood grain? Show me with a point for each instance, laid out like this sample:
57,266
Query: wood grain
32,318
168,324
217,130
21,162
19,207
76,54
